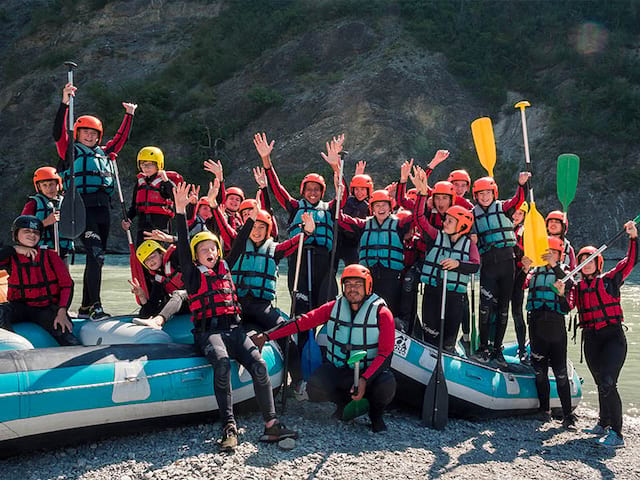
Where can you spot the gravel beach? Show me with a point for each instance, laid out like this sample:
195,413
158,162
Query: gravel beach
328,449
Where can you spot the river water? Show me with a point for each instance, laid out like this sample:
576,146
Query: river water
117,299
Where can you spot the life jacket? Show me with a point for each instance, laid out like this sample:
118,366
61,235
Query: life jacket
541,296
323,234
34,282
197,225
442,248
494,228
216,295
92,170
168,276
148,198
381,244
234,220
596,307
256,271
346,333
44,208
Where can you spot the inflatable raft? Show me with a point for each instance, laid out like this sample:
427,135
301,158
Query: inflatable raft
125,375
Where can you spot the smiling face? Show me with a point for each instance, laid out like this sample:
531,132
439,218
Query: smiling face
88,137
381,210
554,227
518,217
312,192
49,188
353,291
360,193
590,268
148,168
207,253
258,232
28,237
154,261
461,187
484,197
232,202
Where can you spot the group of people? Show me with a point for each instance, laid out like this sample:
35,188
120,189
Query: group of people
217,257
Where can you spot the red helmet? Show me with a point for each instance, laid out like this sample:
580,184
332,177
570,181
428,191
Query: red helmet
485,183
588,250
445,188
557,244
362,181
412,194
557,215
403,213
380,196
46,173
88,121
356,270
248,203
264,217
234,191
313,177
459,175
463,216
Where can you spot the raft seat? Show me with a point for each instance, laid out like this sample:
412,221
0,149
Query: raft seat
117,332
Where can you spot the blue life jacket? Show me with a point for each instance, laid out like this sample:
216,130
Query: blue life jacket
323,234
541,296
382,244
493,227
442,249
92,170
256,271
44,208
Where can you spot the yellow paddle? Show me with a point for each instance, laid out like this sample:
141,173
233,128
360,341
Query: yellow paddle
485,143
535,230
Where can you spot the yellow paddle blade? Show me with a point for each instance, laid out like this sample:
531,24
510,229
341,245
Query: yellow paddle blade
535,236
485,143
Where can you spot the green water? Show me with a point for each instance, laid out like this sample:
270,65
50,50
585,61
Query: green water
117,299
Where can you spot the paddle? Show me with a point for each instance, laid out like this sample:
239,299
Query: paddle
567,180
601,249
355,408
535,229
72,211
56,235
292,317
485,143
137,272
473,345
435,405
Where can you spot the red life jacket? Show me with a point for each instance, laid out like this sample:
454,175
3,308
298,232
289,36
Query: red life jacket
596,307
234,220
169,277
34,282
148,198
216,295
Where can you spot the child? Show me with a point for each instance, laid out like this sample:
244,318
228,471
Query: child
217,331
152,195
461,182
94,182
547,332
517,296
45,205
494,235
443,196
597,298
357,206
557,226
167,295
202,212
40,287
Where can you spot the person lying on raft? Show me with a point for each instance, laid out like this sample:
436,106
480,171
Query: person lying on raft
218,335
40,288
357,320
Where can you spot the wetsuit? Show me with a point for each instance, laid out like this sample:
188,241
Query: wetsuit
517,295
605,346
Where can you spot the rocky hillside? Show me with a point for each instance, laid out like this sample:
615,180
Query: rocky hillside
345,70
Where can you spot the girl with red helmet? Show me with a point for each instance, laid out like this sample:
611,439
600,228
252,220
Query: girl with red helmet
557,226
597,299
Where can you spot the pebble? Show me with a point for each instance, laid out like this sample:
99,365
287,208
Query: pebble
287,444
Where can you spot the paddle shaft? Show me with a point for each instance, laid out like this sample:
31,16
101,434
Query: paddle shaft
440,381
56,235
334,245
71,153
527,157
474,333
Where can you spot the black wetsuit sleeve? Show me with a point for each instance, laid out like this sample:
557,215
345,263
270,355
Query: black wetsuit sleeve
239,243
190,274
132,212
5,255
58,123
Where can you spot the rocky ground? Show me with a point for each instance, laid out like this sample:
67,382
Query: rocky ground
327,449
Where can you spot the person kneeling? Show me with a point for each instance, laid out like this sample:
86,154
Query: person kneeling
39,285
357,320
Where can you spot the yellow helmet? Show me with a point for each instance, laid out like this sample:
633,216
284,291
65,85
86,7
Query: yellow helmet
146,248
201,237
151,154
524,206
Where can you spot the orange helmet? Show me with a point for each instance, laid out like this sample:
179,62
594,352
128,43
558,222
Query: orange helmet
485,183
380,196
412,194
46,173
234,191
588,250
463,216
356,270
88,121
557,215
403,213
264,217
456,175
557,244
248,203
313,177
445,188
362,181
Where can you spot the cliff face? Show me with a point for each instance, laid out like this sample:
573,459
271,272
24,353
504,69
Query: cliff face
392,99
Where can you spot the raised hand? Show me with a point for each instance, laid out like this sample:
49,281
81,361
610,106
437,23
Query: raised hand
419,179
130,108
264,148
159,236
215,168
332,157
338,141
405,170
360,166
523,177
181,194
632,229
438,158
137,290
67,92
260,177
212,194
195,195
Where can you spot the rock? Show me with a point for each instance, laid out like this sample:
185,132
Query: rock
287,444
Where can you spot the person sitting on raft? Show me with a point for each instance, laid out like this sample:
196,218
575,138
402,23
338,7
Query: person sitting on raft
597,298
547,332
40,288
357,320
218,335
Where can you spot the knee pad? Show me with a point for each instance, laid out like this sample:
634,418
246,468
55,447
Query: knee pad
258,370
503,318
606,386
562,377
